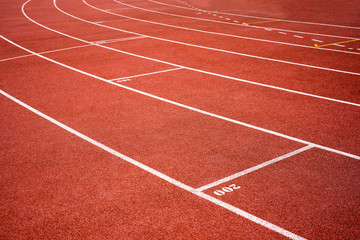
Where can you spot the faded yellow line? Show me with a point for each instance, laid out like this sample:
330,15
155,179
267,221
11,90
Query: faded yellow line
244,23
352,40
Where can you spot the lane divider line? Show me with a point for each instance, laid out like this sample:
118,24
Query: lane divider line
204,47
50,51
255,168
80,46
247,24
158,174
316,40
224,34
177,65
189,107
146,74
352,40
251,23
222,22
242,15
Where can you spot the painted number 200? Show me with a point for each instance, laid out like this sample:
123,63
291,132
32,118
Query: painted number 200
225,190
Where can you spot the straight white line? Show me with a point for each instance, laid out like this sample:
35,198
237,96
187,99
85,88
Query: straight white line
210,48
186,106
120,20
315,40
177,65
283,33
81,46
252,169
284,20
146,74
298,36
202,19
51,51
118,39
158,174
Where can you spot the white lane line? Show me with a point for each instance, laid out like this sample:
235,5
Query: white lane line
255,168
177,65
315,40
186,106
146,74
298,36
224,34
51,51
338,45
210,48
283,20
119,39
282,33
278,29
120,20
157,173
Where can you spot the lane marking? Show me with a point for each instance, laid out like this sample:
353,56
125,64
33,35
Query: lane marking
120,20
255,168
189,68
352,40
284,20
222,22
158,174
209,48
51,51
146,74
81,46
186,106
298,36
224,34
315,40
283,33
118,40
251,23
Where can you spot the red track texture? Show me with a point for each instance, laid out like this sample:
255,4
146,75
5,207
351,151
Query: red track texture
167,119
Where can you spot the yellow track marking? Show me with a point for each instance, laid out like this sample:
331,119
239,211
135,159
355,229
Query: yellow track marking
244,23
352,40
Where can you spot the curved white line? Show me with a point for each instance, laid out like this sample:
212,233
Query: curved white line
283,20
173,102
204,47
183,105
184,67
158,174
231,23
222,34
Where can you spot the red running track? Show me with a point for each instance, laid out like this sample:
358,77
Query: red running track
142,130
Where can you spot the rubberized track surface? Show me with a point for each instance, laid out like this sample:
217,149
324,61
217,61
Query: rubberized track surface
169,119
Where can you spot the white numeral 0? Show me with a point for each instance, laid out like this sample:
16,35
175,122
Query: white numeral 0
224,190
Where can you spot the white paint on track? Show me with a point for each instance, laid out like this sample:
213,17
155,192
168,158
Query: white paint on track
146,168
180,66
256,17
188,107
146,74
215,49
51,51
222,34
231,35
255,168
